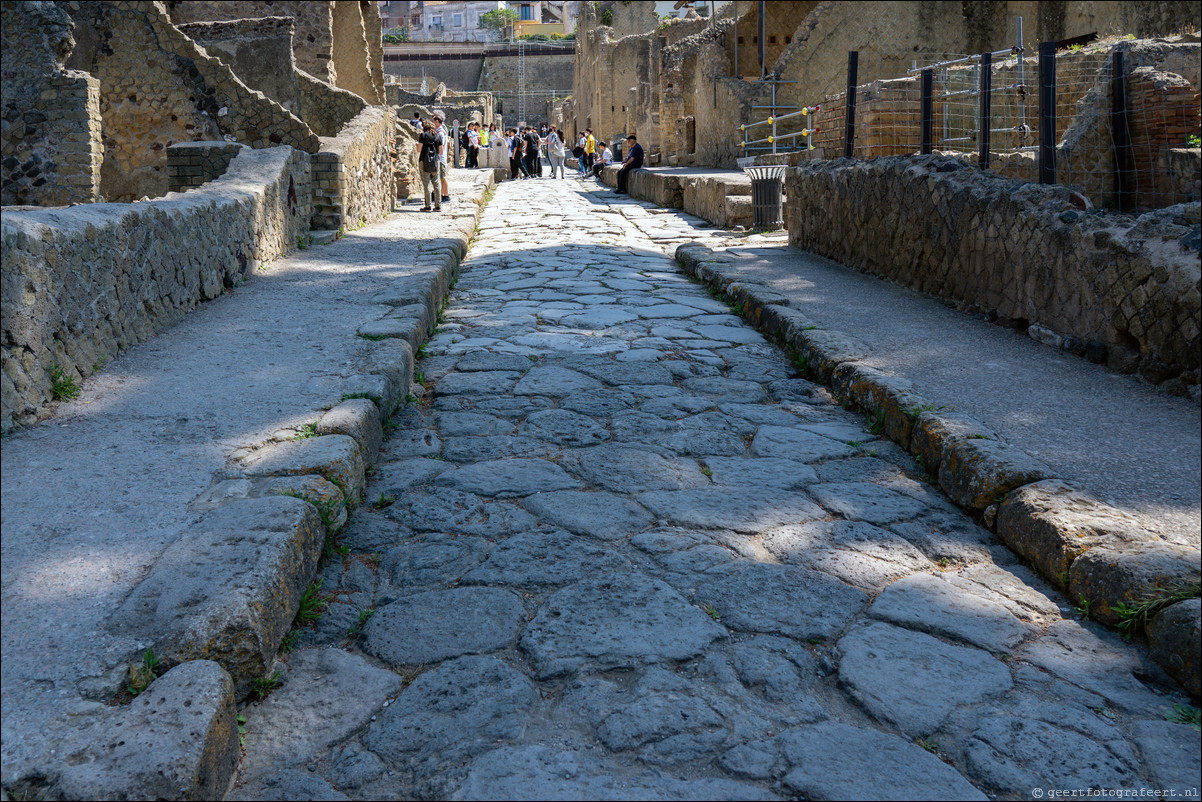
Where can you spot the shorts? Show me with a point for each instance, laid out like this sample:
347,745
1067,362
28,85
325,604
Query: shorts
442,171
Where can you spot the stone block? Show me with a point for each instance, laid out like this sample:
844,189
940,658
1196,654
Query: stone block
177,740
888,400
933,429
975,473
1175,637
335,457
823,351
410,329
358,418
228,588
1110,577
1053,522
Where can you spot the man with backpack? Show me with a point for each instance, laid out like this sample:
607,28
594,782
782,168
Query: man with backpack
428,164
444,144
532,144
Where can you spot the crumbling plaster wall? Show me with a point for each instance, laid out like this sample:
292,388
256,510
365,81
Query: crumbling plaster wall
355,24
50,121
158,87
259,51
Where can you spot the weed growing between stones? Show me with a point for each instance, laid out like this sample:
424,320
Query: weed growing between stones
364,616
1184,714
928,744
1084,607
265,685
312,605
876,424
1134,617
241,719
375,338
302,242
62,385
375,399
305,432
712,612
143,672
384,500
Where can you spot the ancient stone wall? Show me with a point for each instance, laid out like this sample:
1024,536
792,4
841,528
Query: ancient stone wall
353,27
157,87
50,121
81,284
1112,287
326,108
543,71
313,37
259,51
353,179
194,164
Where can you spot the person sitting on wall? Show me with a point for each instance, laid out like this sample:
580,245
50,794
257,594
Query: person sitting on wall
604,158
632,162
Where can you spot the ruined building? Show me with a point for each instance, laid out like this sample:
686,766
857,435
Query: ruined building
239,126
684,86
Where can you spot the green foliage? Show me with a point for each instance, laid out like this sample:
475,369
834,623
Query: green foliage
498,20
302,242
607,17
877,422
143,672
712,612
265,685
1194,141
357,627
305,432
1134,617
62,384
312,605
1184,714
375,338
384,500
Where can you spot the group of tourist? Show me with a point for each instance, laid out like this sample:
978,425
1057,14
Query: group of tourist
525,148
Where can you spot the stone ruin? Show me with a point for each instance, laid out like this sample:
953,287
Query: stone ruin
141,128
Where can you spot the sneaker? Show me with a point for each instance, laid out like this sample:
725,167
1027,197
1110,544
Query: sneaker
438,208
425,208
446,198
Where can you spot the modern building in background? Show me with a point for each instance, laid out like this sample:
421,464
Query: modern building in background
459,20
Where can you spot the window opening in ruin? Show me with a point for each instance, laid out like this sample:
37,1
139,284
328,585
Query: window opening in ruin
771,40
740,40
788,40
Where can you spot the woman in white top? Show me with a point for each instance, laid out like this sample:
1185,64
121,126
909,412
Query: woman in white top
555,152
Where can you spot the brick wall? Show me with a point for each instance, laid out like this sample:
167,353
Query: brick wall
193,164
353,178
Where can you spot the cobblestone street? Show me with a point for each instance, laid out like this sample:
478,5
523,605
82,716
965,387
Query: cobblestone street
617,550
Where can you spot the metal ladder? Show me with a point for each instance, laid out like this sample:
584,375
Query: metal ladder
521,81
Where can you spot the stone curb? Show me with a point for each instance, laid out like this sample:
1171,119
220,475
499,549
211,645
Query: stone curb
1092,551
219,631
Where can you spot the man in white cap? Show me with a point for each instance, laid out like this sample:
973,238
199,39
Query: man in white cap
442,132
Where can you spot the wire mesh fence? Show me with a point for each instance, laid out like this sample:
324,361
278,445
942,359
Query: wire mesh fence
1115,123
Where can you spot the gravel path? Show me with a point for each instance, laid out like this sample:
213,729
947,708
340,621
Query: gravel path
618,551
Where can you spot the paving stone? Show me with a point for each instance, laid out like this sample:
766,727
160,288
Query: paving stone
1007,752
743,509
521,773
177,740
948,537
536,559
1017,588
730,334
839,761
602,515
327,695
447,510
414,443
633,425
860,554
863,501
484,383
479,449
671,727
286,785
761,664
571,343
509,478
600,318
555,382
354,767
1089,660
700,442
621,621
460,424
727,391
781,599
453,713
618,374
929,604
1171,751
488,360
394,478
913,680
676,407
797,444
432,560
370,532
564,427
600,404
431,627
625,469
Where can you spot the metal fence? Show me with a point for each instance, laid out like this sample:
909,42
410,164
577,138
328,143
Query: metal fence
1084,116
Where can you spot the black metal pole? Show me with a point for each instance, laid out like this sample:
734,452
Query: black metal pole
1123,190
849,131
1047,113
986,124
928,111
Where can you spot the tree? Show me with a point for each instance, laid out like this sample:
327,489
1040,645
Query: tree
498,20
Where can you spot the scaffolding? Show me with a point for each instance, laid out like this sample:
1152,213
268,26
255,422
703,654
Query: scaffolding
521,81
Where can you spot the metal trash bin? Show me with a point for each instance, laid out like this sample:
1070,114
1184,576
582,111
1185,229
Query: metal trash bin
766,184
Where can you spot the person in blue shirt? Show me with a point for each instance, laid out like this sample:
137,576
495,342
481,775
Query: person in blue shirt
632,162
